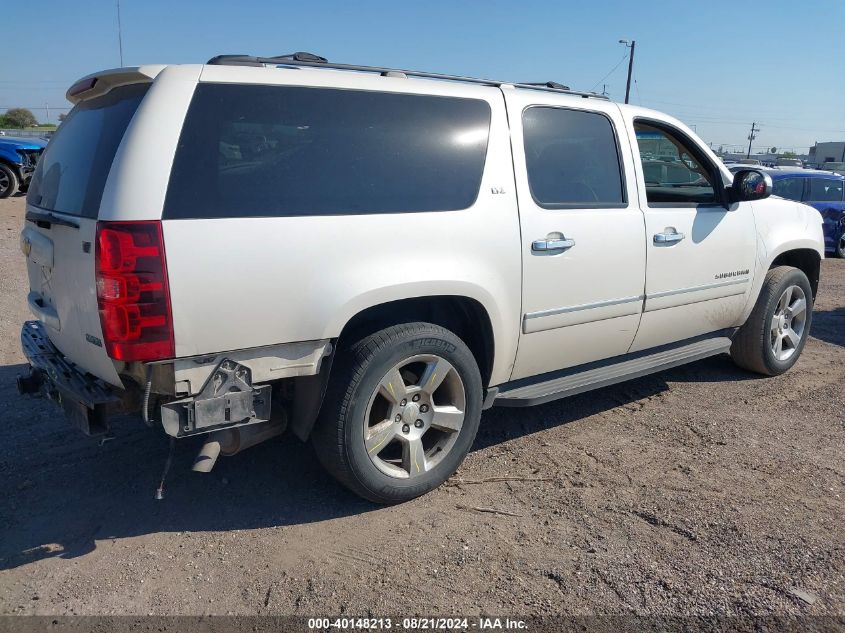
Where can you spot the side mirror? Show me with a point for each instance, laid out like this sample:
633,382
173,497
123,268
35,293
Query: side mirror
750,184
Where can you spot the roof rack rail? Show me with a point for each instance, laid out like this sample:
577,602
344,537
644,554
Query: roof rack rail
547,84
250,60
311,60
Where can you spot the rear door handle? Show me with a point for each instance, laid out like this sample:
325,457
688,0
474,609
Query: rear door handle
557,244
669,236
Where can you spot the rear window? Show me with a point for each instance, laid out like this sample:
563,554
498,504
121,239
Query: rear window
572,158
789,188
825,190
71,174
257,151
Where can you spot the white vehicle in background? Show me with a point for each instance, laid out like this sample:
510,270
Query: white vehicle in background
372,256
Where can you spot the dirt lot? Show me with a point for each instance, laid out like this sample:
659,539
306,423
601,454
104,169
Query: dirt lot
702,490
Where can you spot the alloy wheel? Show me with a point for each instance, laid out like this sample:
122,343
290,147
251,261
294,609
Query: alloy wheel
788,323
415,416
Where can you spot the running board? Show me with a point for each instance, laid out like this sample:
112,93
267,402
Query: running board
577,381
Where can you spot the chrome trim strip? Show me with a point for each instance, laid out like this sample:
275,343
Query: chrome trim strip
734,293
658,295
718,284
586,306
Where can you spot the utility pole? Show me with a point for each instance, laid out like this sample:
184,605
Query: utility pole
751,137
47,107
632,46
119,35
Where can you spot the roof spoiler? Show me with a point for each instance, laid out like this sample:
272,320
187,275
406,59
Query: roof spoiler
98,84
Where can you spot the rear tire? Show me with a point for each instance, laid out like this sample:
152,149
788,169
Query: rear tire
8,181
400,413
771,340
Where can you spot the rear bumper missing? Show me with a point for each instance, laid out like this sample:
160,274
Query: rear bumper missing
86,400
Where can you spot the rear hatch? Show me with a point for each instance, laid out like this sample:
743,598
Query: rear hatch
61,220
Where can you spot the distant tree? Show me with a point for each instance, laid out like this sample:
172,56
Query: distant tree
62,116
3,122
20,118
789,155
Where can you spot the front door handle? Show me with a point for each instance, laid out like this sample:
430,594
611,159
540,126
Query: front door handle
556,244
669,236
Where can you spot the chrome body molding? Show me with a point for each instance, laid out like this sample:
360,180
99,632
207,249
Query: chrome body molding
697,294
627,306
575,315
718,284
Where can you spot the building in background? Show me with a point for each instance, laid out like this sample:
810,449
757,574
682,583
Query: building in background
828,152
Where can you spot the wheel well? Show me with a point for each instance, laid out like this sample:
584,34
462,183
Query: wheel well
805,259
12,166
466,317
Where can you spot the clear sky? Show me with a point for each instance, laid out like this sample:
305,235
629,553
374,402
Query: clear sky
715,64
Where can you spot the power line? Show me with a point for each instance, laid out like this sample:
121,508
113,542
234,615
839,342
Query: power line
34,81
41,107
709,110
619,63
745,123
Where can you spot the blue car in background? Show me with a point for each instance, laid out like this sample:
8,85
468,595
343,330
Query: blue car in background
820,189
18,157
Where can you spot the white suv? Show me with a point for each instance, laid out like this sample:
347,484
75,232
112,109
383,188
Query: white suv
372,256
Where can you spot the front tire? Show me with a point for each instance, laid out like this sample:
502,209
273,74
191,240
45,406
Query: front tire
772,338
400,413
839,250
8,181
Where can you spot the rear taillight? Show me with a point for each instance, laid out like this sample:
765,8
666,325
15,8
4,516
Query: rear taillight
132,291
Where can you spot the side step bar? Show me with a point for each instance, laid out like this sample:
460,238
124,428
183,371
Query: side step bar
578,380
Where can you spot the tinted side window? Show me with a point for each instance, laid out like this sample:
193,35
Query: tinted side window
789,188
825,190
572,158
673,171
71,174
285,151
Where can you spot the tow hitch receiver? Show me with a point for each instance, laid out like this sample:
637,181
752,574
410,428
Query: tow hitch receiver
30,385
227,399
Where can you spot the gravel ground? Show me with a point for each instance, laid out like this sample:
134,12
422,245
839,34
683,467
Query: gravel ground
702,490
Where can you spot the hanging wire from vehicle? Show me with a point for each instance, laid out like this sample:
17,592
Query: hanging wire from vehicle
145,407
160,490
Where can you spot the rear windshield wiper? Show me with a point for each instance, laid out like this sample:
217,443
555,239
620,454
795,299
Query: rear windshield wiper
45,219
